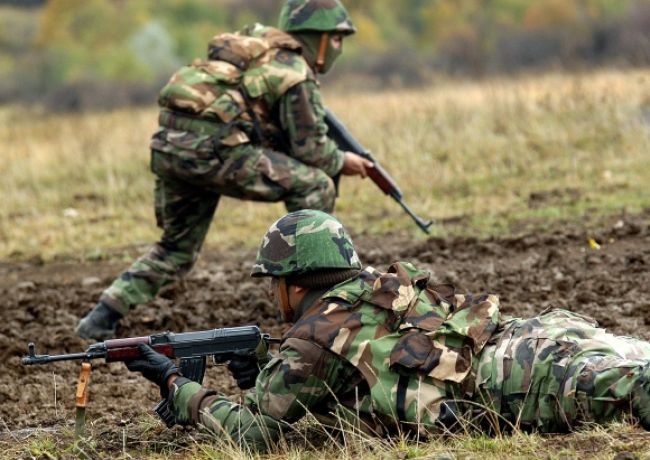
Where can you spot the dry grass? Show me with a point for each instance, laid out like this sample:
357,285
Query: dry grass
147,439
79,185
482,149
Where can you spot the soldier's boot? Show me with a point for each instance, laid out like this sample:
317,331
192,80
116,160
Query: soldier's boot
99,323
641,399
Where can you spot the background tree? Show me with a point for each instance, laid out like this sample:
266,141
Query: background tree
71,53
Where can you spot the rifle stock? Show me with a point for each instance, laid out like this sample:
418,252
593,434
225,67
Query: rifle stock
346,142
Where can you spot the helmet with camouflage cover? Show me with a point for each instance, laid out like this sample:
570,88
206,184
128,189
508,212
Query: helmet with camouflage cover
302,242
315,16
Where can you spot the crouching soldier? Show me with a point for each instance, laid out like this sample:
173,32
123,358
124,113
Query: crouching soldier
390,352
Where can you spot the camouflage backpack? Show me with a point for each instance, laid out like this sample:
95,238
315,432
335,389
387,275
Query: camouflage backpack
245,74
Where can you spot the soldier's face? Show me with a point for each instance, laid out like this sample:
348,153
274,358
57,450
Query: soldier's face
334,50
292,297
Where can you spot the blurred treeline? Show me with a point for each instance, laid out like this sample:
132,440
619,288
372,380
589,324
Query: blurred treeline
79,54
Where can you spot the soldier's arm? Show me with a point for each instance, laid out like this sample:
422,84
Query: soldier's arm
297,380
243,425
302,118
300,379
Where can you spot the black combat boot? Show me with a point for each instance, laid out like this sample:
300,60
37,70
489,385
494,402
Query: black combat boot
99,323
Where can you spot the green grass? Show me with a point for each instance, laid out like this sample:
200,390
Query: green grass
148,440
79,185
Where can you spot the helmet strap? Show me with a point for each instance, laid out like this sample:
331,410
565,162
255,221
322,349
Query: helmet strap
283,293
322,50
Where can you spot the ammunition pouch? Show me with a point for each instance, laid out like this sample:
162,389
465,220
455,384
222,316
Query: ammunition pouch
229,134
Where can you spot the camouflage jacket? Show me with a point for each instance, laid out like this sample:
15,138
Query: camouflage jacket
255,87
383,350
414,344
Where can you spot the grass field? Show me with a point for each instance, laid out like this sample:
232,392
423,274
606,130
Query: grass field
478,157
617,441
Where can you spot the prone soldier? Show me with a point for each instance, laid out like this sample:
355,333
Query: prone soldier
391,352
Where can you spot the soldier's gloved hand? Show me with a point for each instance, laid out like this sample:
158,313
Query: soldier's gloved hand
154,366
245,365
244,368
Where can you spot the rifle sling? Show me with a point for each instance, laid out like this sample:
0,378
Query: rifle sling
402,387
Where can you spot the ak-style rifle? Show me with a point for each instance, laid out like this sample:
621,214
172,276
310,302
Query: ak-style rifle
346,142
191,348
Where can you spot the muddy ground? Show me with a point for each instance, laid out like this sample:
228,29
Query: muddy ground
530,272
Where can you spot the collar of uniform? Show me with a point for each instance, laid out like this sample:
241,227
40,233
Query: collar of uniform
311,297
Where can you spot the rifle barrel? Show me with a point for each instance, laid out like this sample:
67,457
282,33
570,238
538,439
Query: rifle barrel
44,359
345,141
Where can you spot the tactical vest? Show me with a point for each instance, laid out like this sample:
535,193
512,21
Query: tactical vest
413,343
231,95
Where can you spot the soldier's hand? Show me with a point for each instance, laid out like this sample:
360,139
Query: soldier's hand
244,368
154,366
355,165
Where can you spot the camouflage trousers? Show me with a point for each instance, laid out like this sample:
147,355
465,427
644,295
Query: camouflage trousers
187,192
556,370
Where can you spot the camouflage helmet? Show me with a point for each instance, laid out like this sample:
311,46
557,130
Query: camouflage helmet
315,16
302,242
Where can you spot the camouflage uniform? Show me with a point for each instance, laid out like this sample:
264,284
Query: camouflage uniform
389,352
247,123
558,369
347,362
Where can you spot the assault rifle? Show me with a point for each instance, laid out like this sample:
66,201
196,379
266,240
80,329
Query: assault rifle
191,348
346,142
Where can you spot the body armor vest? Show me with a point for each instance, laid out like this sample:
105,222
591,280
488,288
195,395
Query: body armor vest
413,343
233,93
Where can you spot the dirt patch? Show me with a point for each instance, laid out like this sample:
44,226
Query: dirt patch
530,272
